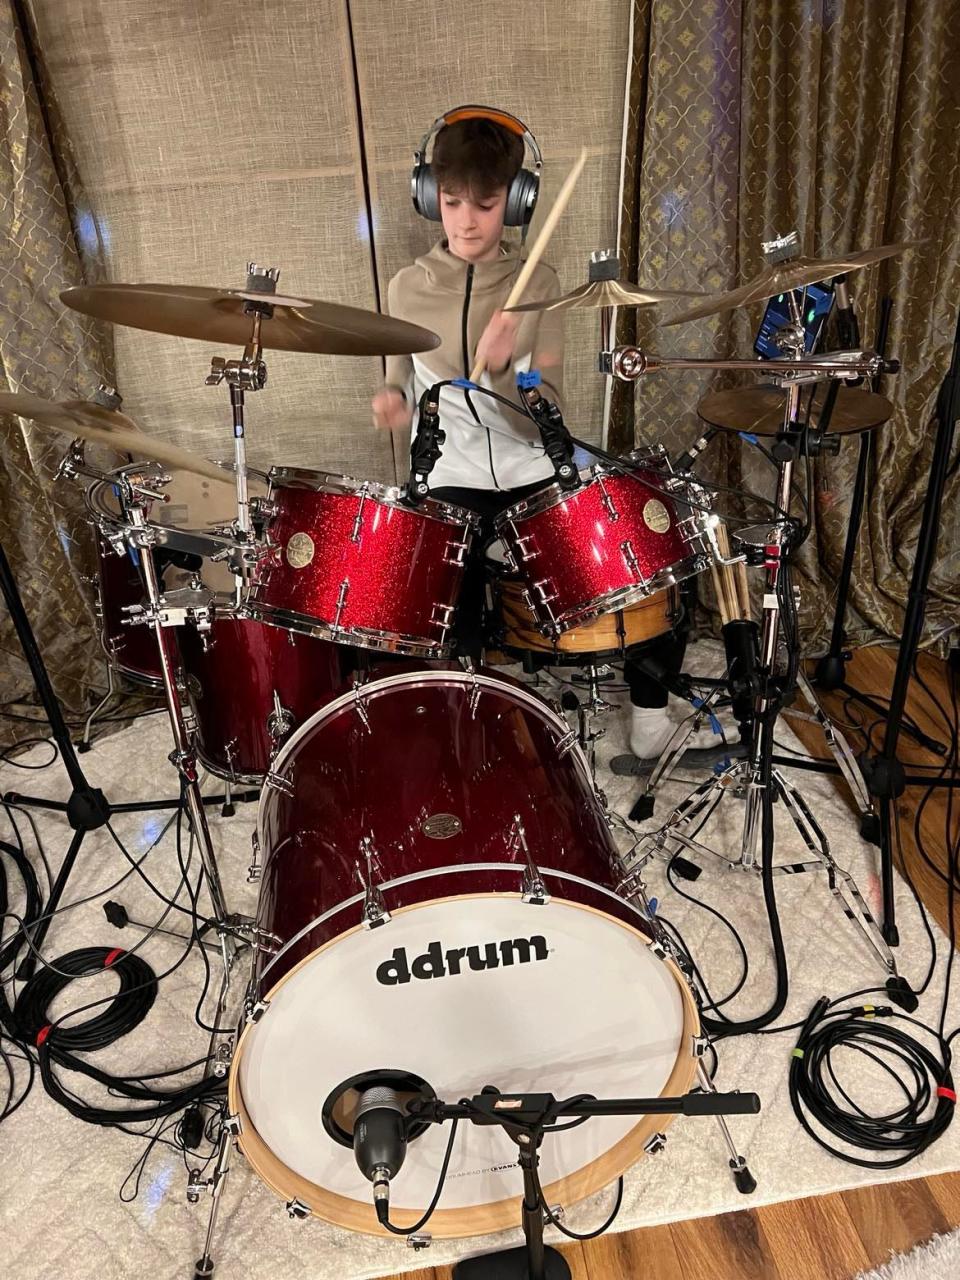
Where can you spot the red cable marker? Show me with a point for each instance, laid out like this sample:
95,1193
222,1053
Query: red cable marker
111,956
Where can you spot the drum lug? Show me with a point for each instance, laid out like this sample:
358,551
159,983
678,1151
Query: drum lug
630,559
220,1068
546,591
263,508
566,743
374,911
456,553
607,501
526,552
653,1146
358,520
532,888
279,722
441,617
233,1126
419,1240
278,782
256,1011
360,706
474,700
341,601
297,1209
255,870
699,1045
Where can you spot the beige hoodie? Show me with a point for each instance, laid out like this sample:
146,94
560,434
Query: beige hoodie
456,299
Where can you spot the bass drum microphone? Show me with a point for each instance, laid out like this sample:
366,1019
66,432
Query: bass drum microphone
380,1142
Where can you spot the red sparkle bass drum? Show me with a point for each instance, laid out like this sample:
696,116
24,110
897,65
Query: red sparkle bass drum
350,562
439,910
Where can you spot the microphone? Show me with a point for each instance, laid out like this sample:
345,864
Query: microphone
685,461
553,431
380,1142
427,445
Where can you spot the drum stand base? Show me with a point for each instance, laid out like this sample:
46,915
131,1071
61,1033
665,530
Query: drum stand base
513,1264
738,779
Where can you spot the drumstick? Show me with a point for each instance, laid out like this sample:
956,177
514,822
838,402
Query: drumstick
718,590
733,582
536,250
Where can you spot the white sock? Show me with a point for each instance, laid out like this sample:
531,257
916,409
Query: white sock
650,730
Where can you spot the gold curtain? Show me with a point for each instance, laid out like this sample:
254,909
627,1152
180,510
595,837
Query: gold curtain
48,351
841,119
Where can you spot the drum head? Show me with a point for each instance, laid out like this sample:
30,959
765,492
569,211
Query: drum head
464,992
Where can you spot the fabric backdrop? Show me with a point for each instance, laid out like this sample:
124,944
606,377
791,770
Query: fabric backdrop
840,119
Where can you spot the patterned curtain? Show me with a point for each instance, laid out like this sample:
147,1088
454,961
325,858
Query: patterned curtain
840,119
47,351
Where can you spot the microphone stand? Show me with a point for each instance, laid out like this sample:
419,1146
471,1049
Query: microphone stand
526,1119
830,673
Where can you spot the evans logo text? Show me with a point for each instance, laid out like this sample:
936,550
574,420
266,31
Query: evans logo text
437,963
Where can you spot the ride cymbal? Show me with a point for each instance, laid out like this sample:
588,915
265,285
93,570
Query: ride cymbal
218,315
607,293
79,418
760,410
782,276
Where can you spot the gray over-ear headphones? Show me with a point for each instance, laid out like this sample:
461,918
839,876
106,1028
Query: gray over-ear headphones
523,190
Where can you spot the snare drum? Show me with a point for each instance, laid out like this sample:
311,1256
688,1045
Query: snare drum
600,548
514,630
440,899
249,686
350,562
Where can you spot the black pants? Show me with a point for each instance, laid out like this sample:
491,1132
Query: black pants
468,626
668,650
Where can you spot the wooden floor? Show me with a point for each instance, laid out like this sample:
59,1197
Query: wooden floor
826,1237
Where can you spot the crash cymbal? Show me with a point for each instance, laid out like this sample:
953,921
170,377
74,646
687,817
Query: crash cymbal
781,276
760,410
217,315
607,293
78,418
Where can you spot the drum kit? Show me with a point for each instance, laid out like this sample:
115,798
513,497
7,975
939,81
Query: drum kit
428,828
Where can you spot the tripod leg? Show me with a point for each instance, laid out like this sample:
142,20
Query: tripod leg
84,744
841,882
842,753
205,1266
746,1182
227,809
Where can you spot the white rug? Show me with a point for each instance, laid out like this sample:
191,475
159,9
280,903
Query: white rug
938,1259
59,1209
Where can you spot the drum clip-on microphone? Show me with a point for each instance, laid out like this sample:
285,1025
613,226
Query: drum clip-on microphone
426,446
553,430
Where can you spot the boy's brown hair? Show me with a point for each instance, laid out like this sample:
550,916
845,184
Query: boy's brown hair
477,156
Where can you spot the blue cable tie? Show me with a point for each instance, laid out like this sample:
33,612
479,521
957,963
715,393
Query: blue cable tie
529,379
749,437
465,383
715,724
696,702
653,904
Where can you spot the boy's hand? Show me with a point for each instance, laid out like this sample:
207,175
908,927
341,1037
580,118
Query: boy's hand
391,410
497,341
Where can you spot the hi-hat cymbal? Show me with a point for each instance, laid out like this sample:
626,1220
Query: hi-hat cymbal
759,410
782,276
217,315
607,293
78,418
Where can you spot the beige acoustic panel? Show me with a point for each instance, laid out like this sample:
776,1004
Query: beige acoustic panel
206,135
560,66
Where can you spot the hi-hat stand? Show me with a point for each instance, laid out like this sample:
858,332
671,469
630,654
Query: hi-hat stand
756,779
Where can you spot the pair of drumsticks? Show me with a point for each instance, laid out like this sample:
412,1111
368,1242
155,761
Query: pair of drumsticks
730,582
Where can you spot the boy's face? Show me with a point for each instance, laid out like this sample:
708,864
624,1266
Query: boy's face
473,224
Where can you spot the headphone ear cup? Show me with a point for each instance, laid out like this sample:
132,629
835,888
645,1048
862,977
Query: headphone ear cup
522,199
426,198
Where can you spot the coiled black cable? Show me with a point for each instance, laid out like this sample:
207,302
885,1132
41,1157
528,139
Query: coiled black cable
819,1099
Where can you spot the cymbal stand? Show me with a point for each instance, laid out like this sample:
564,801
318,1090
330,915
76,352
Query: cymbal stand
135,499
249,373
756,779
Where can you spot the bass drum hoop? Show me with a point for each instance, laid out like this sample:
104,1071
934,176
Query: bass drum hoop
478,1219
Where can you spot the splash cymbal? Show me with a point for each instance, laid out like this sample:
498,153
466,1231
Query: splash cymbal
760,410
79,418
218,315
607,293
782,276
